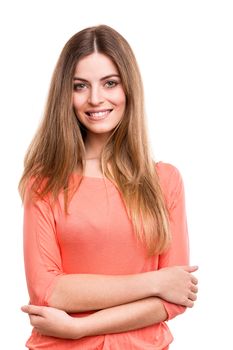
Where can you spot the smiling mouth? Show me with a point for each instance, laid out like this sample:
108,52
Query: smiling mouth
98,115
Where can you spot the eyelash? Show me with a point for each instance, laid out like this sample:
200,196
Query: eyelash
81,86
115,83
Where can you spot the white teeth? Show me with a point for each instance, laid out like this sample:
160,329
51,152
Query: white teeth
98,114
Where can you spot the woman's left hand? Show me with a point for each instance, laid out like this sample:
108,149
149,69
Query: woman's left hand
52,322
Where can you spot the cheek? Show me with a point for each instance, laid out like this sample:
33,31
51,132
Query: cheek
78,102
120,99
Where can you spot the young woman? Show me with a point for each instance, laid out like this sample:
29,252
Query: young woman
105,234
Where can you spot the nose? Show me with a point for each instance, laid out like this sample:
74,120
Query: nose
95,96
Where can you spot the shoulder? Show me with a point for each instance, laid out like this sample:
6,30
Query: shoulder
171,181
167,172
33,191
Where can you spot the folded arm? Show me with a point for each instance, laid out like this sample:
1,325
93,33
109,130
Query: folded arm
48,285
80,292
123,318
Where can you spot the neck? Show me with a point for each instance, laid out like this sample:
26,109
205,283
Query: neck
94,145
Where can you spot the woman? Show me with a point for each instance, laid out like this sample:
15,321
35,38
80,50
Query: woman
105,234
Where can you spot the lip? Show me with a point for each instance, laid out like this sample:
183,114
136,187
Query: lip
98,111
98,114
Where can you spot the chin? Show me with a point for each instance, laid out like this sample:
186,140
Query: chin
103,129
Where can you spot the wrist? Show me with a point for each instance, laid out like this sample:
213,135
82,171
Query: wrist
78,328
154,283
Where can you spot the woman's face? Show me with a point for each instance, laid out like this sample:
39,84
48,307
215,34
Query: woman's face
98,96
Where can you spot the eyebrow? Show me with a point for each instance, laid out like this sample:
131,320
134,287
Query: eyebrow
106,77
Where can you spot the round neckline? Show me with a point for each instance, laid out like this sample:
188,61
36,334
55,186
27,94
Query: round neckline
105,178
94,180
93,177
90,177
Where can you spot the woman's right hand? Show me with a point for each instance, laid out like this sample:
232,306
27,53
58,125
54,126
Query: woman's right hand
177,285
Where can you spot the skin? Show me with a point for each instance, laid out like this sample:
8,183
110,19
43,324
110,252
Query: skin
129,316
130,302
97,87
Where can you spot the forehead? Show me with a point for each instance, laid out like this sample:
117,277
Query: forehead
95,66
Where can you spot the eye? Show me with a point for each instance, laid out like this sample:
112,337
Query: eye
111,83
79,86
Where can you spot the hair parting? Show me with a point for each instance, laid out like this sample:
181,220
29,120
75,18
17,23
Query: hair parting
58,147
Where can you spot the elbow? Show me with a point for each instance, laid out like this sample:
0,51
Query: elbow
37,296
45,294
173,310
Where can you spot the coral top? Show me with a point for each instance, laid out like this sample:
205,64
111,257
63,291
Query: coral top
97,238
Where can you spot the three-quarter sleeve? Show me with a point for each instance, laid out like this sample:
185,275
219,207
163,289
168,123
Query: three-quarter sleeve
178,252
42,257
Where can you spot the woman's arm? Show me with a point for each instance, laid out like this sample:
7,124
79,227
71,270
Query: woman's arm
123,318
80,292
49,286
77,293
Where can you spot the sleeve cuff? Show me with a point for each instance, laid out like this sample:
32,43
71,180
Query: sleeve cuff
173,310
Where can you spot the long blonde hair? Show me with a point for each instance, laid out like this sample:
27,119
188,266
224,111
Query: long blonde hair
58,146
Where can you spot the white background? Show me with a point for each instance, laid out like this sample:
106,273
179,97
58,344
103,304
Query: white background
185,52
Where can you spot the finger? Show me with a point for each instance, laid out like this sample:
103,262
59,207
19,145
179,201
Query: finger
32,309
36,321
190,268
192,296
189,303
194,280
194,289
33,320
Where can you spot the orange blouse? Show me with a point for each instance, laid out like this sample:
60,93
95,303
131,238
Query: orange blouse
88,241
